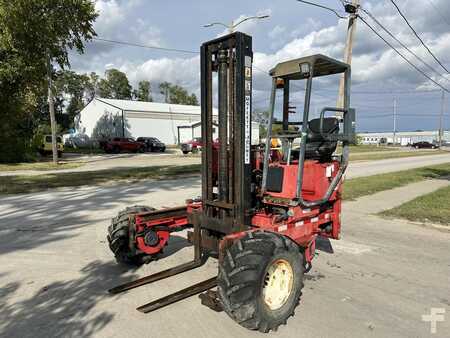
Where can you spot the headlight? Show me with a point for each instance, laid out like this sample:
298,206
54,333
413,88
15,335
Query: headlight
304,68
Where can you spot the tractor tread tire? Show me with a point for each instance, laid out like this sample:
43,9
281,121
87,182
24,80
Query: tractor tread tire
241,278
118,235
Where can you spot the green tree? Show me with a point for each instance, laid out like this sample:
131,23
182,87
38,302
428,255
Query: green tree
31,31
177,94
73,86
92,86
143,93
164,89
109,125
115,85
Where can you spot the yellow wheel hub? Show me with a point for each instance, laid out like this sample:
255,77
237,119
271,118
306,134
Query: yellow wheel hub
278,284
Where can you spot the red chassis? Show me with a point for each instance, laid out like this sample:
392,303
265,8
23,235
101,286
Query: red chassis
152,229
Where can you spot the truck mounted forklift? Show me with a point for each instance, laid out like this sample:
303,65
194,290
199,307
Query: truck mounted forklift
261,209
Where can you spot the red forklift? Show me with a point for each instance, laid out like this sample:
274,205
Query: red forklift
261,210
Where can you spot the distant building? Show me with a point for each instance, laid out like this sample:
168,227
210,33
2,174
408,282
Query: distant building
402,137
147,119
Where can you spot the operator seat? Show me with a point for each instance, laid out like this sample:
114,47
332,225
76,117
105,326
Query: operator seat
317,147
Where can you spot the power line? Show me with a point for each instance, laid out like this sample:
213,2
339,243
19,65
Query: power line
146,46
324,7
417,35
402,56
403,45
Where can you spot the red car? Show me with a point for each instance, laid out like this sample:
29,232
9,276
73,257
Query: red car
119,144
193,145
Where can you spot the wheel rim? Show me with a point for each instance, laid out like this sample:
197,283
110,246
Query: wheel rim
278,283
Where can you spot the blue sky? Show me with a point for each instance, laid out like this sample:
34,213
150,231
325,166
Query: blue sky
293,30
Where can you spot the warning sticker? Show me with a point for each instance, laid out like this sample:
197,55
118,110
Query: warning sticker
248,137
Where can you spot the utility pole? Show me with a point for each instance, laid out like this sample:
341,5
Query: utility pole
441,117
395,122
352,9
51,108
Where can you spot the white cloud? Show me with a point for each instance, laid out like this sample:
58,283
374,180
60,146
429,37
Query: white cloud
374,64
310,25
184,72
249,26
147,34
278,36
276,32
114,22
110,16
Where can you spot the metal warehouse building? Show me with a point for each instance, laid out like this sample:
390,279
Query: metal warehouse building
149,119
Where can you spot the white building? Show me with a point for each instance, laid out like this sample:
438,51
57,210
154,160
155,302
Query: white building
147,119
403,137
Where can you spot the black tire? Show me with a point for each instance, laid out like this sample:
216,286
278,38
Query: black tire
118,238
242,277
185,152
116,150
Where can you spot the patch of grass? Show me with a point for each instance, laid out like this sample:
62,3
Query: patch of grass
433,207
365,148
369,185
40,166
395,154
27,183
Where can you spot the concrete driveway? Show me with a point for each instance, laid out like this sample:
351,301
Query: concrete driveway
55,268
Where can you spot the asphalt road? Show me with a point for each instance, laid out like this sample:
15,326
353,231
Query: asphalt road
368,168
55,268
117,161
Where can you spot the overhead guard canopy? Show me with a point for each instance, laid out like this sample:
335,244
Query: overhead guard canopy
322,65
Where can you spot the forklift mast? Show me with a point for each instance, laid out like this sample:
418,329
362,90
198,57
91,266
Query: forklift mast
226,196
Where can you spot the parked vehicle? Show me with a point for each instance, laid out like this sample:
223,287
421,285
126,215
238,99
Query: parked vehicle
193,145
152,144
118,144
424,144
46,147
78,141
